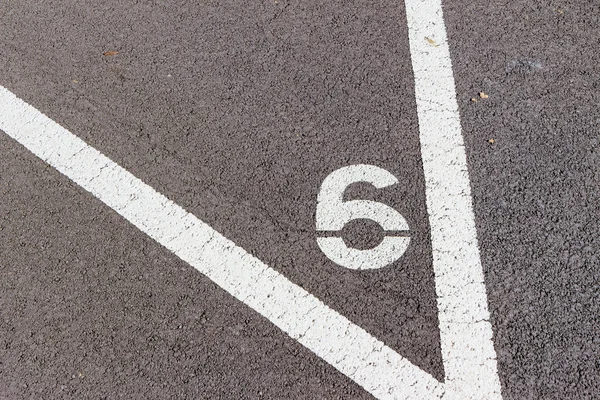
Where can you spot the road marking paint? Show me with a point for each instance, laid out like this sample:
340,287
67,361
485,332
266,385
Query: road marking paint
466,335
465,331
331,336
333,213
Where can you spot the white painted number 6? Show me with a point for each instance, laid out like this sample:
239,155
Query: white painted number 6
333,213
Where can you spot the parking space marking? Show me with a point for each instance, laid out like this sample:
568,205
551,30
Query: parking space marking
468,353
333,213
466,335
331,336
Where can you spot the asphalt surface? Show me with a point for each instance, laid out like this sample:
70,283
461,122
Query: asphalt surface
237,112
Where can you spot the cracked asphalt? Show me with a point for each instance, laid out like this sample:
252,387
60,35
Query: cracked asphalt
238,112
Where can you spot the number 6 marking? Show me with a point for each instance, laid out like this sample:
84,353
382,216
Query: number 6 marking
333,213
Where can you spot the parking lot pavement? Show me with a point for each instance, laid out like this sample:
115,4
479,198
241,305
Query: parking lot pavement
239,113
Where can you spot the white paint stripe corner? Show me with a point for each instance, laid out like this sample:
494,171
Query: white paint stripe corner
466,335
331,336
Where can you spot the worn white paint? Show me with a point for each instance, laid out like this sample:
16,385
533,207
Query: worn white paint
466,334
333,213
465,330
385,253
331,336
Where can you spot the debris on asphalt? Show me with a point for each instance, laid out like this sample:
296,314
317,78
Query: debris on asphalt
110,53
431,41
483,95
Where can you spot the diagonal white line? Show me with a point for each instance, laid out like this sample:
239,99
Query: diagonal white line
466,334
331,336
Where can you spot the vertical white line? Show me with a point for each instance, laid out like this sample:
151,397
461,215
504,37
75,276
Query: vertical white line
465,330
466,334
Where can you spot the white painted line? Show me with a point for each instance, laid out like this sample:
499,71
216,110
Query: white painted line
467,349
331,336
333,213
465,331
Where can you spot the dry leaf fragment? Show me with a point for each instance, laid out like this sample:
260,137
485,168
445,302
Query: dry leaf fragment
431,41
483,95
492,141
473,99
110,53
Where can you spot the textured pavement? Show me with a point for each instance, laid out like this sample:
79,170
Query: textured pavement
238,112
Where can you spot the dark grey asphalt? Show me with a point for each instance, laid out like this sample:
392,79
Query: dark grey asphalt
238,112
537,189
